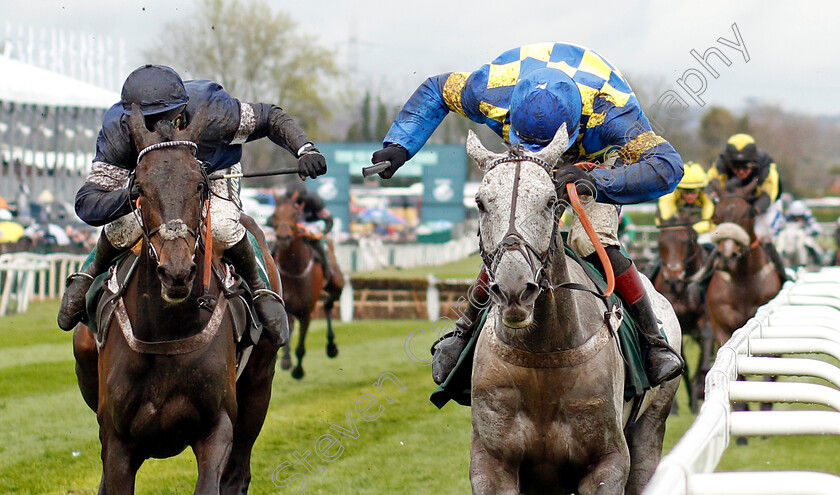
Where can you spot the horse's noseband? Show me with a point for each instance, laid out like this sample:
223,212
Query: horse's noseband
176,228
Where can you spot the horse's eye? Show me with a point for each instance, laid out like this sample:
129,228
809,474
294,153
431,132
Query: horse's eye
480,204
550,203
200,187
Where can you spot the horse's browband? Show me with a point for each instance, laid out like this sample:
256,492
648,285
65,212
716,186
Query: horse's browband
520,158
166,144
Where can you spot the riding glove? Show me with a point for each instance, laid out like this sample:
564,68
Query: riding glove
393,153
584,185
311,162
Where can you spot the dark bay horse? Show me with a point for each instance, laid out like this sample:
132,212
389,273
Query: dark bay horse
681,257
744,276
165,376
548,410
303,280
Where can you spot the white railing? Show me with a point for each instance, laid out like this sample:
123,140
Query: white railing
24,276
804,318
372,254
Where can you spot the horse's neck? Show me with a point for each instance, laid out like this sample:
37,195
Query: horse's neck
563,318
161,320
296,257
753,262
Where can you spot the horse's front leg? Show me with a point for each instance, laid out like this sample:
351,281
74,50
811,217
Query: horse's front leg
286,360
87,365
297,372
608,476
490,475
119,466
253,393
211,455
332,348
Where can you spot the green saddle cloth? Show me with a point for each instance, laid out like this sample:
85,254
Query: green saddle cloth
457,385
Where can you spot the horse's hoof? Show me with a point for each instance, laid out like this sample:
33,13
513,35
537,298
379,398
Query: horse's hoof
741,441
297,373
285,363
332,350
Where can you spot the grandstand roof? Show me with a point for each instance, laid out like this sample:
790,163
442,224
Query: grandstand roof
24,83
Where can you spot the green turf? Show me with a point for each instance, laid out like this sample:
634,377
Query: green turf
49,438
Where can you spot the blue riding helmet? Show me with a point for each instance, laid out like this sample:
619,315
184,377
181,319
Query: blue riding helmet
541,102
156,88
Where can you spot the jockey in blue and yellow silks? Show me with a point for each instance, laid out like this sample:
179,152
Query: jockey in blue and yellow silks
525,95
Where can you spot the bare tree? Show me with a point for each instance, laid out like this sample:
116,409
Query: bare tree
257,54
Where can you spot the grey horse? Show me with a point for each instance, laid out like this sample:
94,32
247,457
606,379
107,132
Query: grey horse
548,411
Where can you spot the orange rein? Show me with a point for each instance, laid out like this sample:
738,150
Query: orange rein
571,190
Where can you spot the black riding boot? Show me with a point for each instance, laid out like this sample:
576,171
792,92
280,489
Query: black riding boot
777,261
269,304
662,363
73,309
447,351
324,257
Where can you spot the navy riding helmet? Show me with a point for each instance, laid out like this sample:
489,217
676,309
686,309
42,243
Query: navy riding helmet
540,103
156,88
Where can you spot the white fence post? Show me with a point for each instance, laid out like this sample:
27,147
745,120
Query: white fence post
433,298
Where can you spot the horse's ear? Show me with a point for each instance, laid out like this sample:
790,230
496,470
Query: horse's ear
137,124
478,152
558,145
194,127
295,196
717,188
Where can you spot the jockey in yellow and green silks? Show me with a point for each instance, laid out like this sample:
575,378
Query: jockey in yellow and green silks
689,201
525,95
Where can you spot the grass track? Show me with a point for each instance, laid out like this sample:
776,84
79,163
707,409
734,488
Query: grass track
49,438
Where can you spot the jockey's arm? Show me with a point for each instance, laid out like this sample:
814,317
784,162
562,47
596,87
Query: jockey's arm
426,109
647,166
666,207
273,122
104,197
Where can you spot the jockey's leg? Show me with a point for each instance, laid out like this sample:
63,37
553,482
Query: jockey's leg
229,232
661,361
324,257
115,238
446,351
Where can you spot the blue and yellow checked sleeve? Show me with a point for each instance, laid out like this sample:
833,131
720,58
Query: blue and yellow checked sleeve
612,123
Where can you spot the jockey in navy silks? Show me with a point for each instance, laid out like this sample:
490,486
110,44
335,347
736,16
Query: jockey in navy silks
525,95
105,197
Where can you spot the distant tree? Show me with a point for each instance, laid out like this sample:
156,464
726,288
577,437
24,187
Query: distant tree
366,122
256,53
716,126
384,117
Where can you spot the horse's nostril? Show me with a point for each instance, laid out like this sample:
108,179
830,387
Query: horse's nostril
497,293
530,293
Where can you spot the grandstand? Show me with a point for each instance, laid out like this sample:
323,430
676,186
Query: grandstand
48,128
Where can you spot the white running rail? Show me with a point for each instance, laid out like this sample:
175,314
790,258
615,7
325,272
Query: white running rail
804,318
25,276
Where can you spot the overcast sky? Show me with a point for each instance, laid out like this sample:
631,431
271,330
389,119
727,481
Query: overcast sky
791,46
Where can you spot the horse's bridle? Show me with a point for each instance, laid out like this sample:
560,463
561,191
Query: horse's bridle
173,229
681,266
513,240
